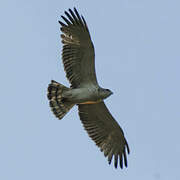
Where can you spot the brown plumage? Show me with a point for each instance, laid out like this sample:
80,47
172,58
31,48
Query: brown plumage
79,64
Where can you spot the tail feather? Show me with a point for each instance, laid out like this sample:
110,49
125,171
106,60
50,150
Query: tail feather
58,104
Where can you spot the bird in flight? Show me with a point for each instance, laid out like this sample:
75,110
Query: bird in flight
78,58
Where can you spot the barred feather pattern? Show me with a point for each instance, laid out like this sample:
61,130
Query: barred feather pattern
78,50
72,67
105,132
58,104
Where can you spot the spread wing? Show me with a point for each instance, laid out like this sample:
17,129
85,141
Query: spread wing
105,131
78,50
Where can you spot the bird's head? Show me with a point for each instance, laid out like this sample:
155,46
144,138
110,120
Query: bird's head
104,93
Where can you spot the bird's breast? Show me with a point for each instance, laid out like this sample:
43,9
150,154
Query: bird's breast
91,102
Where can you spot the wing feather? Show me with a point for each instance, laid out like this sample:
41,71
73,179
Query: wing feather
78,50
105,132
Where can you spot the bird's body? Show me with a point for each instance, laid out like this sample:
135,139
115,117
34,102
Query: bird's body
86,95
78,59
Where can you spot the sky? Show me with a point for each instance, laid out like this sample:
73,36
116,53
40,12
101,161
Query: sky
137,47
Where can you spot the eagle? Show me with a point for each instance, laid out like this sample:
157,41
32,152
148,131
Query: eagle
78,58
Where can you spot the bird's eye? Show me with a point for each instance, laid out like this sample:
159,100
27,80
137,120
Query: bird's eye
108,90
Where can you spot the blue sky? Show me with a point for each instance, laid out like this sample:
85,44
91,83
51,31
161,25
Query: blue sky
137,56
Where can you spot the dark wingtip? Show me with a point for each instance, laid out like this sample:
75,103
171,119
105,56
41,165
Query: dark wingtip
53,81
70,10
128,150
125,158
115,164
121,161
61,23
127,147
109,161
75,10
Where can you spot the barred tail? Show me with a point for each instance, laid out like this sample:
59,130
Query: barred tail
58,104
